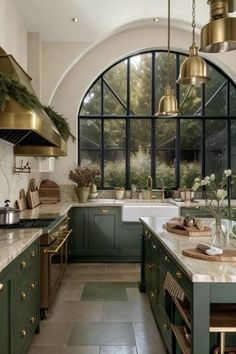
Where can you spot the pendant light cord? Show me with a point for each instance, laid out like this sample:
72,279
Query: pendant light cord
194,19
168,45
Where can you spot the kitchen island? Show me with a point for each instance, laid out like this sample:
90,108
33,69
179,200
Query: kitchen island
199,283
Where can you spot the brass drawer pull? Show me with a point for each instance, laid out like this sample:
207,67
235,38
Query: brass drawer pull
23,264
23,295
179,275
150,266
166,327
23,333
154,247
167,259
153,294
32,320
1,286
33,286
104,211
32,253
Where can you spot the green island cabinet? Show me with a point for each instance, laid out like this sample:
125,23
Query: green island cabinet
19,302
99,235
174,318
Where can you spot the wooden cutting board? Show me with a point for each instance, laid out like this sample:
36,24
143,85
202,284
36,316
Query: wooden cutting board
22,202
49,192
227,256
32,199
176,226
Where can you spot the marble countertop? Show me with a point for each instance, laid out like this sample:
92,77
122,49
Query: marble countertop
197,270
13,242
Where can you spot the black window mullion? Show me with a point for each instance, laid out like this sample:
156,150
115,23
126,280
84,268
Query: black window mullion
127,160
203,135
102,134
177,154
153,124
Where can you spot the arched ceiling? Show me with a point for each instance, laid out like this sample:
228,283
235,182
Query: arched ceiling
100,18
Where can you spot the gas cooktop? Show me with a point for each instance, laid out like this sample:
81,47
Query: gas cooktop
29,223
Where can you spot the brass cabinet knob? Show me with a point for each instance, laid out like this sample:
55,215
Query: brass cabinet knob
104,211
166,327
32,320
179,274
23,333
150,266
33,286
154,247
153,294
167,259
23,295
1,286
23,264
32,253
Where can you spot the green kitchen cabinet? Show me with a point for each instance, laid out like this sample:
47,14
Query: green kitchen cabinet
6,309
78,222
198,211
19,301
104,229
130,240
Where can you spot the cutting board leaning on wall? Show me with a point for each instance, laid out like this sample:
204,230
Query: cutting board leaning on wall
49,192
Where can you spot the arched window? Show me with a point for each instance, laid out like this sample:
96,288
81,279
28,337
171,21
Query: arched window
119,131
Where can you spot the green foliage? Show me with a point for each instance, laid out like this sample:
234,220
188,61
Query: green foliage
11,87
188,173
114,174
140,163
165,175
60,122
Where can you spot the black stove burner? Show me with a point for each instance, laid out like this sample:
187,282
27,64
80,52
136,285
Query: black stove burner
29,223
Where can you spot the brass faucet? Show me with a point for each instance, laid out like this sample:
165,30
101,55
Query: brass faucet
149,185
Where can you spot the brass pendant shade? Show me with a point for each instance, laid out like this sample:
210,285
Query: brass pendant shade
219,35
168,104
193,70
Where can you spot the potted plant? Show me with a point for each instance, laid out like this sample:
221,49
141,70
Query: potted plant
119,192
83,177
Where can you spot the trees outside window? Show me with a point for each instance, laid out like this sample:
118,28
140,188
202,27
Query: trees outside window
120,133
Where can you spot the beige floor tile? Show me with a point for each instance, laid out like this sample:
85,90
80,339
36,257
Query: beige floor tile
90,277
134,295
76,311
52,334
123,267
87,268
126,312
69,291
63,349
148,339
121,349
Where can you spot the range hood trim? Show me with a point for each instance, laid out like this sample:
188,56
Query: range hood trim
41,151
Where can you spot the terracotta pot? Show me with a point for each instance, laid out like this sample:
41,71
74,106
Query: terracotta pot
187,195
119,193
82,193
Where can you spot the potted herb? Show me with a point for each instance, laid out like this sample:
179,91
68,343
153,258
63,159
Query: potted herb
83,177
119,192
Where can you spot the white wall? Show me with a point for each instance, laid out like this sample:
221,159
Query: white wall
13,39
74,83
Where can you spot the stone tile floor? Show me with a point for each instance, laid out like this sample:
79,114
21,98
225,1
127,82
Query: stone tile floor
99,310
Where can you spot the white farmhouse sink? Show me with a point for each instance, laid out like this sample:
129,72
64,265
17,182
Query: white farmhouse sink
133,210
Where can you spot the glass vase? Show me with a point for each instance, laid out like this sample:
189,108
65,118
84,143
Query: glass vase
220,235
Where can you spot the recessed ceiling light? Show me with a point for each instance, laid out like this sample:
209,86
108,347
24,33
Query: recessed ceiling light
74,19
156,19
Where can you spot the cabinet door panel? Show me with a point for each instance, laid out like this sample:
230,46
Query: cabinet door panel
6,292
103,230
79,225
130,241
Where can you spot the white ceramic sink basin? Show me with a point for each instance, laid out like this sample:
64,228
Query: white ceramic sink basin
132,211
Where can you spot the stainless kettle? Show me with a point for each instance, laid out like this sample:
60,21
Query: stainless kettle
9,215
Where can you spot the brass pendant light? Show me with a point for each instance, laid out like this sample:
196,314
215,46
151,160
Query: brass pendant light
219,35
193,70
168,104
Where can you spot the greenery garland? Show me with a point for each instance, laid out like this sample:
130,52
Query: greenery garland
11,87
60,122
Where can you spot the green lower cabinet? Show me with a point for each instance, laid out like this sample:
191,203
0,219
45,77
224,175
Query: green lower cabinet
78,241
130,240
198,211
19,302
6,310
103,231
99,235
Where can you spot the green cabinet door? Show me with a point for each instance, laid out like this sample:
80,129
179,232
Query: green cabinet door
130,240
6,306
103,231
78,241
198,211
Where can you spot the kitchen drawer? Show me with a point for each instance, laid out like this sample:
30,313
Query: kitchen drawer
24,331
28,259
164,326
26,293
178,273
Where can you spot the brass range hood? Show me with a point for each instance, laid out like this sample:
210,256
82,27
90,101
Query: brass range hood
31,131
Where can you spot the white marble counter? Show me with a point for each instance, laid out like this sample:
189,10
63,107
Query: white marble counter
197,270
198,203
13,242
